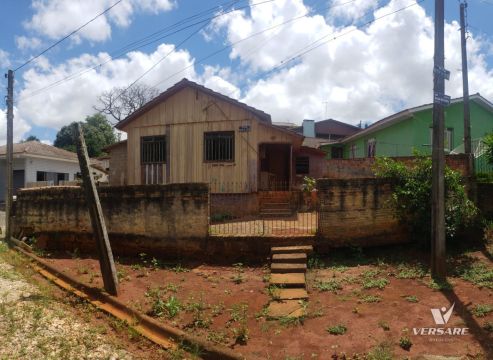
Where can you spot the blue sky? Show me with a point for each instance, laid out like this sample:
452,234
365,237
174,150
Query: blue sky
361,75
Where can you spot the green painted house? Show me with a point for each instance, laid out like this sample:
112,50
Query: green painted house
404,132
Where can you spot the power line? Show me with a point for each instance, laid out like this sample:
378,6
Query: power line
128,46
67,36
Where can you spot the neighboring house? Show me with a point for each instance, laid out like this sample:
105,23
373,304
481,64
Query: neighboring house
409,130
190,133
37,162
330,129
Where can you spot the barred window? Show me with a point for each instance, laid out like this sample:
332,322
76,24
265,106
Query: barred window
219,146
153,149
302,165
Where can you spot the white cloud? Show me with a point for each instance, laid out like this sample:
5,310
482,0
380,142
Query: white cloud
74,100
57,18
4,59
363,74
47,142
27,43
351,10
21,127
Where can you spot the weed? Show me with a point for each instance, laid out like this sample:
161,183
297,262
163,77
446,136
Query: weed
436,284
314,262
287,321
155,263
405,343
217,309
379,283
198,309
331,285
239,314
382,351
238,278
273,291
82,270
410,271
178,268
337,329
384,325
136,267
217,337
488,326
482,310
371,299
241,333
411,298
355,310
477,273
169,308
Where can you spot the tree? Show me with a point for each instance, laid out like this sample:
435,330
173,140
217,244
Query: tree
411,196
119,103
98,134
488,142
31,138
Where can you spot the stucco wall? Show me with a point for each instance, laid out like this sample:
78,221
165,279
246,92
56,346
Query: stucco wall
33,165
357,212
152,218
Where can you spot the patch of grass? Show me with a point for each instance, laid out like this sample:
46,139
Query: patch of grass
338,329
405,343
287,321
217,309
481,310
238,277
384,325
198,309
169,308
273,291
477,273
379,283
331,285
239,315
382,351
314,262
410,271
439,284
371,299
217,337
411,298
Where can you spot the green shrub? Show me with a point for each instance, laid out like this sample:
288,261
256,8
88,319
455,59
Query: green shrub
411,197
337,329
405,343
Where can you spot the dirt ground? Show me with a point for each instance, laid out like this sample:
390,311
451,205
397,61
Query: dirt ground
40,321
361,303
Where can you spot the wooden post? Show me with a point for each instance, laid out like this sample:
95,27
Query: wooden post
9,157
438,269
106,262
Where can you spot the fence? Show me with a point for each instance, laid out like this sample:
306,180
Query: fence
263,213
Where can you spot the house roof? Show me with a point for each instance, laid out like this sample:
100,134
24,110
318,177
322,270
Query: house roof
36,148
331,127
409,113
184,83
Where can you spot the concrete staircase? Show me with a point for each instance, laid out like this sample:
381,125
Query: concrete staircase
276,204
288,281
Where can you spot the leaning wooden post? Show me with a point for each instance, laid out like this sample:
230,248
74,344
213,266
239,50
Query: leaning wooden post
106,262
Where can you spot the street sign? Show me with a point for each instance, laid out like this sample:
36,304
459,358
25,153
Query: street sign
441,99
443,73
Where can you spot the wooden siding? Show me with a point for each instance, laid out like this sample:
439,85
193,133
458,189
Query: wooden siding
184,118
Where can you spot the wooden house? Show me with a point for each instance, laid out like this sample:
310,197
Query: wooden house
190,133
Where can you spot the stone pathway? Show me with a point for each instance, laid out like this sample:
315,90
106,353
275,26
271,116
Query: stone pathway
288,281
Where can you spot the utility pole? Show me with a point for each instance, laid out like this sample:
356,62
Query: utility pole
440,100
106,262
10,150
465,88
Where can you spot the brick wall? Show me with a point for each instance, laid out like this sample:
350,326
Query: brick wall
362,167
118,164
154,218
357,212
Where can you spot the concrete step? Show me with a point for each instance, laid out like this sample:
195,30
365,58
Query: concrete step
285,308
307,249
289,258
283,268
290,294
288,280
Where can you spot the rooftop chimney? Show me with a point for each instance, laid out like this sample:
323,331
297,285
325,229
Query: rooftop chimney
309,128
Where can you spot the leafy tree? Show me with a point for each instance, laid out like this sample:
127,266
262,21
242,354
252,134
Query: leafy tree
98,134
488,141
411,196
121,102
31,138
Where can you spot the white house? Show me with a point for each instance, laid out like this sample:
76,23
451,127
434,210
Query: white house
38,162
